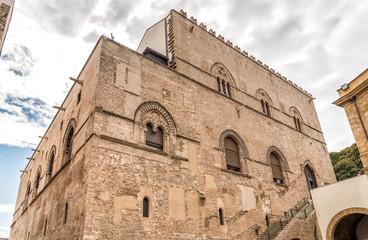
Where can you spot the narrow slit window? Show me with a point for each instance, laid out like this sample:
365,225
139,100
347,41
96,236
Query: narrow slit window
45,228
221,217
219,84
263,106
145,207
66,212
228,89
38,180
298,124
79,97
223,86
267,109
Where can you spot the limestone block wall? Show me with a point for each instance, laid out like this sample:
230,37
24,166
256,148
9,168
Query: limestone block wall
195,51
186,183
356,125
67,182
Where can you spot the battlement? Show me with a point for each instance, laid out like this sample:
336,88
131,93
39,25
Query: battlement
244,53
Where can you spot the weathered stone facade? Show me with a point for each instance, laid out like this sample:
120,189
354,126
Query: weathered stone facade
6,8
354,100
102,179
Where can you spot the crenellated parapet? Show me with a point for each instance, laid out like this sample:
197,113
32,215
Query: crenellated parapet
244,53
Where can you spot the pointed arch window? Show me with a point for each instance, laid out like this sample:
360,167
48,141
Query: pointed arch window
310,177
37,183
68,145
232,155
276,169
145,207
154,140
51,164
28,192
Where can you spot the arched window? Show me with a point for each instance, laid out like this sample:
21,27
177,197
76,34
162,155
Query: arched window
51,165
145,207
221,217
232,155
297,124
37,183
223,78
310,177
154,139
276,169
68,145
297,118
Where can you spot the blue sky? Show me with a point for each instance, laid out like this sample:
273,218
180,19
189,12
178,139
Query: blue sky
12,159
319,45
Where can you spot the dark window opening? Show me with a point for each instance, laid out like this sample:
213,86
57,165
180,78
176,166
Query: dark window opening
298,124
154,139
66,212
219,84
263,106
223,87
232,155
267,109
228,89
79,97
68,146
156,56
145,207
221,217
45,228
51,166
38,180
61,125
28,190
311,178
276,169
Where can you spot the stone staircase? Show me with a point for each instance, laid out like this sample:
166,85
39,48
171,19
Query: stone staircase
301,211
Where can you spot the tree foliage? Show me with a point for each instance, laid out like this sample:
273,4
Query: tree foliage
346,163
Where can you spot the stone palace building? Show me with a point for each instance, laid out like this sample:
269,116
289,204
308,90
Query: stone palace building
186,138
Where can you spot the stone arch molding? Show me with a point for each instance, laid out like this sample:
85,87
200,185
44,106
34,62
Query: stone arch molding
244,153
219,69
262,94
283,161
72,124
339,216
293,111
157,115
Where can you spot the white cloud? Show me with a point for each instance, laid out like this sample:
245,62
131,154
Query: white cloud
317,44
6,208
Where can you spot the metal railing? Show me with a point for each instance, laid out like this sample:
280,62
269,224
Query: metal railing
300,211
